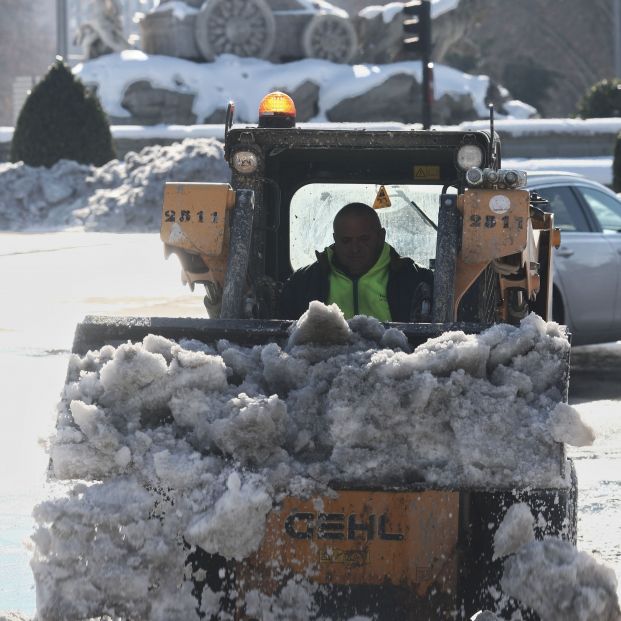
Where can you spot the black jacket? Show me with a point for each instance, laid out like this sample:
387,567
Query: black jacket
408,291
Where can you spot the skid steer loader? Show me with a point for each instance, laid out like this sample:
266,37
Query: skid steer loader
405,550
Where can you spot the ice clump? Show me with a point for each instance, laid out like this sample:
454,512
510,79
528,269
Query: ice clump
551,576
165,446
515,530
561,583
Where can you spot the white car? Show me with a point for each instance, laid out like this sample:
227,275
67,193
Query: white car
587,265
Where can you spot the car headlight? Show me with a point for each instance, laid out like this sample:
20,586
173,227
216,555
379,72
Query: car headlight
245,162
469,156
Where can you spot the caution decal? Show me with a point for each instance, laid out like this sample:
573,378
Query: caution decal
427,173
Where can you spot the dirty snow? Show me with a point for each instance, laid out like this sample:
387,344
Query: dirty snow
162,446
123,195
551,576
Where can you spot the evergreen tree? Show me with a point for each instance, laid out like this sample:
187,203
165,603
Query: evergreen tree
602,100
61,120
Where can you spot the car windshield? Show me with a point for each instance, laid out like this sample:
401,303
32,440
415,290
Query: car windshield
410,220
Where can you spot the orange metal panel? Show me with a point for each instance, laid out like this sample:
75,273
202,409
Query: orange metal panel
402,538
495,224
194,216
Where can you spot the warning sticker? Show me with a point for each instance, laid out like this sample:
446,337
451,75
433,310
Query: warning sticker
382,199
429,173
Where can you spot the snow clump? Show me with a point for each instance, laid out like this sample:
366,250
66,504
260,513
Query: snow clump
551,576
515,530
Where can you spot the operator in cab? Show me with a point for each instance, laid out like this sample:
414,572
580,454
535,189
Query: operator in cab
362,274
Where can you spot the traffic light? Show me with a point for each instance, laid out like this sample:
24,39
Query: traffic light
417,27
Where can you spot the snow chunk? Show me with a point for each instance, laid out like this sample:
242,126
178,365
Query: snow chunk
515,530
320,324
567,426
236,525
293,603
256,430
131,368
560,583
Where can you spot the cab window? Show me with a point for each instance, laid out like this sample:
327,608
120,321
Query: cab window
410,220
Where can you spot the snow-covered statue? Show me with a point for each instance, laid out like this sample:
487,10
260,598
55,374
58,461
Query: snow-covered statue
102,33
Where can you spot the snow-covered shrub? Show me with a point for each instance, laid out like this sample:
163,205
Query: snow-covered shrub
602,100
61,120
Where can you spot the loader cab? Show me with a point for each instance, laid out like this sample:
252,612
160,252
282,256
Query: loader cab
442,197
304,176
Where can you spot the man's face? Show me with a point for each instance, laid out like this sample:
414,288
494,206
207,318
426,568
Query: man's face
358,242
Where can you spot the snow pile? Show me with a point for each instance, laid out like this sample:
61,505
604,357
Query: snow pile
247,80
551,576
29,195
185,444
123,195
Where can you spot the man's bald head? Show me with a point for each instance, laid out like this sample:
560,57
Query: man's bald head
358,238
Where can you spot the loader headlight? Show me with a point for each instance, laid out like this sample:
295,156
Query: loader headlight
514,178
502,178
474,176
245,162
491,176
469,156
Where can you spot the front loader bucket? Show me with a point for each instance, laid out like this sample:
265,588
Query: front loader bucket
389,544
95,331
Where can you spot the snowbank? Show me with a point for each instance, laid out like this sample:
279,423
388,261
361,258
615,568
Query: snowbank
123,195
165,446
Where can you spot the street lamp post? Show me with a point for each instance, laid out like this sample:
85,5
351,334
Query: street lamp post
617,36
61,28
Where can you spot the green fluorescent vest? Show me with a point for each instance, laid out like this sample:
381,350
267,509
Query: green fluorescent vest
365,295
